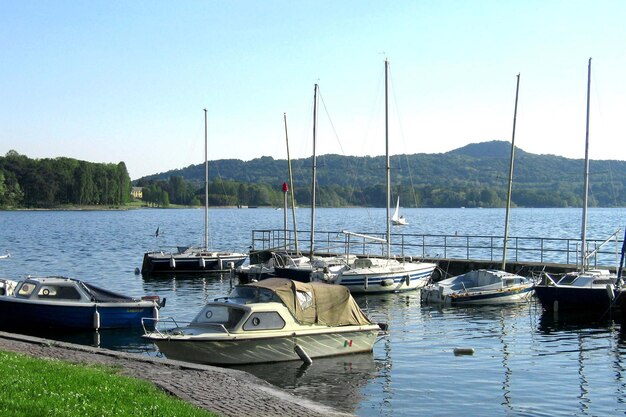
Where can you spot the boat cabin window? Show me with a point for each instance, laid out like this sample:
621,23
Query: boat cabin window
53,292
509,282
363,263
26,289
227,316
568,279
270,320
247,295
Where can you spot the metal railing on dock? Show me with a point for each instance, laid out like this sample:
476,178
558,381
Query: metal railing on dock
566,251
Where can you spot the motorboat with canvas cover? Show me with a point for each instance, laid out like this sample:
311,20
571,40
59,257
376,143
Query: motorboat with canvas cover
71,304
271,320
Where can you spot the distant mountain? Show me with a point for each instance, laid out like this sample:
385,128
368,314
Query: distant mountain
493,149
474,175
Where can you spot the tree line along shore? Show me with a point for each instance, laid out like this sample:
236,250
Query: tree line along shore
472,176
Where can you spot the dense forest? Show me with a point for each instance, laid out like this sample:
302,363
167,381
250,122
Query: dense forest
47,183
473,176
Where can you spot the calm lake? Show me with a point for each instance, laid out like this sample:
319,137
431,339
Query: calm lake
526,363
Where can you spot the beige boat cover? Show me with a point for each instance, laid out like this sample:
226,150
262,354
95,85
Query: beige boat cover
316,302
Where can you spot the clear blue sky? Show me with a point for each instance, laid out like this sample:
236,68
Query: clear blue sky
110,81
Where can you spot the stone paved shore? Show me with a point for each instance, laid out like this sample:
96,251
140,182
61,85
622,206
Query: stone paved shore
227,392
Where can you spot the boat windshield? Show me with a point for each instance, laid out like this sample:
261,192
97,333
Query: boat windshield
227,316
249,295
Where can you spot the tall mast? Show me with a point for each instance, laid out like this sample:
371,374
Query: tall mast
206,185
388,167
586,185
508,197
314,173
293,201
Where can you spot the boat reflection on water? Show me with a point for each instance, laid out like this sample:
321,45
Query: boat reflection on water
582,339
126,340
566,321
336,381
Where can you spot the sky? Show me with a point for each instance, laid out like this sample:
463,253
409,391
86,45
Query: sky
110,81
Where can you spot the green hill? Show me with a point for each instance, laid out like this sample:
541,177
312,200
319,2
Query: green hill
475,175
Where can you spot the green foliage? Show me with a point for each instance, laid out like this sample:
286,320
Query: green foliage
39,387
473,176
46,183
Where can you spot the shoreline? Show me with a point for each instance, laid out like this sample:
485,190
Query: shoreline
227,392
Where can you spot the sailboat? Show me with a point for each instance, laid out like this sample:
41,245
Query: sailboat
397,219
590,290
194,259
485,286
376,275
299,268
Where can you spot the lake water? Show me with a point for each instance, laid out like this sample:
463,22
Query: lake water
526,363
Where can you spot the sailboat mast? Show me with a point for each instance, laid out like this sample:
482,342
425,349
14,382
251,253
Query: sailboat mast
508,197
206,184
586,185
293,201
314,173
388,165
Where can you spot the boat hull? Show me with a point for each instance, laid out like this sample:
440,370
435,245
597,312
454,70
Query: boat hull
513,295
158,262
15,313
554,297
294,273
382,280
243,350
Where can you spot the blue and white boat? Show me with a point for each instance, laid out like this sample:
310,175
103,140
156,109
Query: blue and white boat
376,275
70,304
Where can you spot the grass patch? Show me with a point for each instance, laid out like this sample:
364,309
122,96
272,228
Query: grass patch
44,387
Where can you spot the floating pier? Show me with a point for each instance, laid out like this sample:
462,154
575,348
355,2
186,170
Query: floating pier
454,254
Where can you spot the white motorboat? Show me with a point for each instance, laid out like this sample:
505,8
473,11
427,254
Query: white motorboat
482,286
270,321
